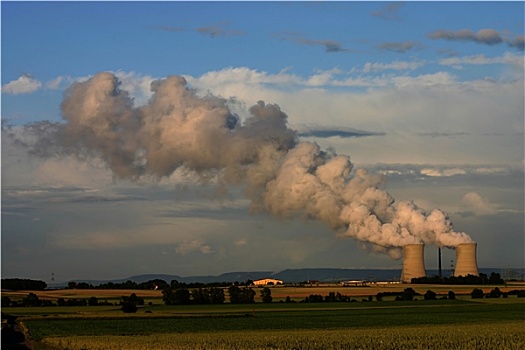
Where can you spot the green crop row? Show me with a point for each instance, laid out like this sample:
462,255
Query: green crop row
502,335
285,320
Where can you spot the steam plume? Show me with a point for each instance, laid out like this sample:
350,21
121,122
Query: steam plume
281,175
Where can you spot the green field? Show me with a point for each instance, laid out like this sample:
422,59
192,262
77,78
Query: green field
494,324
461,323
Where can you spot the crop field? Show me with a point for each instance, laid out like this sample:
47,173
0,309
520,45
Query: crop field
506,335
438,324
462,323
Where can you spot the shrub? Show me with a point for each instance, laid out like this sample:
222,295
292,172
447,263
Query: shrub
495,293
430,295
129,307
476,293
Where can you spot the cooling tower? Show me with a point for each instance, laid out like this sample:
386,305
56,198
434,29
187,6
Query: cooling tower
466,263
413,263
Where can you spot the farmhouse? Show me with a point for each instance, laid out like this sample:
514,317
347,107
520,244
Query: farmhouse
267,281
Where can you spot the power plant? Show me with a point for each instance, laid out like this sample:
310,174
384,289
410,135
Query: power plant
413,262
466,263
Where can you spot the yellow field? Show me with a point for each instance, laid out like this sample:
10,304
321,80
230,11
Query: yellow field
83,293
506,335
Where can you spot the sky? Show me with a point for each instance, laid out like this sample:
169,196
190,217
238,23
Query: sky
198,138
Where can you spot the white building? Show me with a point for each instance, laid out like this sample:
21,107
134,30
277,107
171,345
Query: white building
267,281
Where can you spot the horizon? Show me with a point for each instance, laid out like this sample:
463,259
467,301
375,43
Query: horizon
142,137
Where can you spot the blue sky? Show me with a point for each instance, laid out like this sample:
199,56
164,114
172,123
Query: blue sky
429,94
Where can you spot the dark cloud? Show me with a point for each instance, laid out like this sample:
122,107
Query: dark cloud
483,36
213,31
218,30
329,45
325,132
444,134
388,11
107,198
401,47
518,42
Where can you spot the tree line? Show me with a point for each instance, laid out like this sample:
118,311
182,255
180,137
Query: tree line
23,284
180,295
494,278
32,300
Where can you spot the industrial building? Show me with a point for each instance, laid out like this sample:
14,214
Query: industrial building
267,281
414,262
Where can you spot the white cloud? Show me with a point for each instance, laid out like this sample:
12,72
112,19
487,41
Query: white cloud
196,245
434,172
507,58
396,65
138,86
60,82
478,204
25,84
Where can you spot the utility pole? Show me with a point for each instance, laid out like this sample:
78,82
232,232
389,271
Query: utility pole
439,262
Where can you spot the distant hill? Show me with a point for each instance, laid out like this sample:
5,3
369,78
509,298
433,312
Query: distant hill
288,276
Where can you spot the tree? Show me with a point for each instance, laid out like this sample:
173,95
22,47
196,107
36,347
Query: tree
133,298
129,304
217,296
408,294
6,301
154,284
129,307
476,293
266,295
174,284
234,293
179,296
241,295
23,284
430,295
495,278
451,295
31,300
201,296
93,301
495,293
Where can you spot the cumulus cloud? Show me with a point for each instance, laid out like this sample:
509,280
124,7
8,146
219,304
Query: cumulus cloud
478,204
25,84
281,176
404,106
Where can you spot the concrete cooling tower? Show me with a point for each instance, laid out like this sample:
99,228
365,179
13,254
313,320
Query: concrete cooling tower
413,262
466,263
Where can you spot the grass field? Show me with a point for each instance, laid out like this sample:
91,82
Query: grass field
463,323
